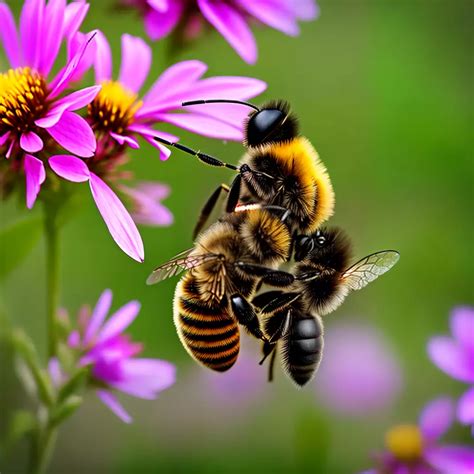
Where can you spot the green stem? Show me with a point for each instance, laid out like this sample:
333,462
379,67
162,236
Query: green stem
42,449
52,275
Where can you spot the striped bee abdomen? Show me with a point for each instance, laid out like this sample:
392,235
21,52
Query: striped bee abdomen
206,330
302,348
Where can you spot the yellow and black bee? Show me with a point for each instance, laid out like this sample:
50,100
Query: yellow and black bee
280,168
223,270
322,280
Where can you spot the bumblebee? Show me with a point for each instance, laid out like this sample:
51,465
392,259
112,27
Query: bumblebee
223,269
279,168
322,280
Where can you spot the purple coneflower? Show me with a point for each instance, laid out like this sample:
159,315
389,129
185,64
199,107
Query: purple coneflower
231,18
120,113
415,449
111,354
455,356
34,112
358,385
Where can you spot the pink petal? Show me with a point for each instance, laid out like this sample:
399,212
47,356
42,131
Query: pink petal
9,36
98,316
111,401
53,29
35,176
70,102
306,10
136,61
159,24
123,139
153,190
207,126
119,321
70,168
31,142
10,148
74,16
103,60
451,358
74,44
160,5
451,459
74,339
148,133
144,378
31,21
176,78
436,418
232,26
118,220
62,79
4,138
74,134
54,370
273,13
165,153
465,410
462,326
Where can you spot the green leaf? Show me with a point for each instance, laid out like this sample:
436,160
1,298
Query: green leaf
16,242
65,410
21,423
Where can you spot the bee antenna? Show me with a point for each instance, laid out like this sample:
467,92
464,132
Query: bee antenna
220,101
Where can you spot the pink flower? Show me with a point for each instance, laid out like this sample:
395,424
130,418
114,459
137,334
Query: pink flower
415,449
230,18
119,113
34,109
112,356
455,356
358,386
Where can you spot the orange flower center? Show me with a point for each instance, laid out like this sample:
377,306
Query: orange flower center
405,442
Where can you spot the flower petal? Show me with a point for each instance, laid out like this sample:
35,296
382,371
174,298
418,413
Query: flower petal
436,418
465,411
123,139
62,79
451,459
70,168
9,36
160,5
232,26
35,176
111,401
159,24
178,77
136,61
4,138
273,13
74,16
54,370
73,101
148,133
31,142
74,134
462,326
119,321
98,315
31,21
306,10
52,32
103,59
451,358
118,220
74,339
144,378
74,43
207,126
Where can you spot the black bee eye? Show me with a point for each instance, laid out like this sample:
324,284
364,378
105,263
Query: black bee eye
321,240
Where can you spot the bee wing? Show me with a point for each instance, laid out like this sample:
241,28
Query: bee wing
181,262
369,268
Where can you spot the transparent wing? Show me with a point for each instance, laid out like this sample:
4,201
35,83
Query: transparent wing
180,263
369,268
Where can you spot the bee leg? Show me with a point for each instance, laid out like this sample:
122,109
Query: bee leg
269,350
208,208
280,302
269,276
234,194
246,316
271,366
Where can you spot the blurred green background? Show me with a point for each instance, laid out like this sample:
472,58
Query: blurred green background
384,91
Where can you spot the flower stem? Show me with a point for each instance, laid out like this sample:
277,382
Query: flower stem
43,446
52,274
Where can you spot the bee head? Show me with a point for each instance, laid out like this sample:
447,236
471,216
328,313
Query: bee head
272,123
326,247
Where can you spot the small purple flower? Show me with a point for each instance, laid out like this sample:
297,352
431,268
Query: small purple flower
111,356
415,449
455,356
360,385
231,18
34,109
119,113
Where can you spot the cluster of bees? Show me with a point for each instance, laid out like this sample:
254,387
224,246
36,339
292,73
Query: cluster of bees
274,214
